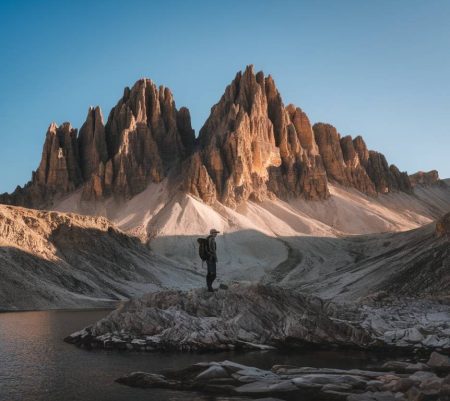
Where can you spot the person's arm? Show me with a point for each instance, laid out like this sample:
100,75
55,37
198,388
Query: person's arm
212,248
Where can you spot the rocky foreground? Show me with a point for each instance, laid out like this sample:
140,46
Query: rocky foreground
394,381
265,316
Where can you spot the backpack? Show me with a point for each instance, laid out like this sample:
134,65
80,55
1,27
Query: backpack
203,248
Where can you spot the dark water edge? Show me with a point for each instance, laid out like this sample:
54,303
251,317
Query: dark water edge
35,363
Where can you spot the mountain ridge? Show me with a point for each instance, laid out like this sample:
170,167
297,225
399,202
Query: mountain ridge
251,147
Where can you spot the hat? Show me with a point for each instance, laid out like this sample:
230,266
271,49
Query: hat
214,231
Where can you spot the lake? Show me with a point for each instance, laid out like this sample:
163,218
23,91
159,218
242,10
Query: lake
36,364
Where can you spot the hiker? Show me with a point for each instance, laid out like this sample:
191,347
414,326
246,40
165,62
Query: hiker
211,250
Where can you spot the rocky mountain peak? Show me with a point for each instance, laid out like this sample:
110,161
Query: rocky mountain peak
424,178
348,162
145,136
251,147
92,143
59,170
237,141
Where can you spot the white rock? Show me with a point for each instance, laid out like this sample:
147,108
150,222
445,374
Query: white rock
213,372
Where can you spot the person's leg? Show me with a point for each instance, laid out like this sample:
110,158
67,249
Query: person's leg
209,275
213,277
208,284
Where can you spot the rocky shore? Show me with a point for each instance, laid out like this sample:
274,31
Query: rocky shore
393,381
243,316
264,316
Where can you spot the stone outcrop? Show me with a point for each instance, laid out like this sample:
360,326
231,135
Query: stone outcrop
424,178
329,144
302,172
400,180
198,181
146,135
291,382
356,172
386,178
59,170
92,143
341,160
244,316
263,316
251,147
349,163
443,226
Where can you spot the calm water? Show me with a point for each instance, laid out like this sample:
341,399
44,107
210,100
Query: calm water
35,364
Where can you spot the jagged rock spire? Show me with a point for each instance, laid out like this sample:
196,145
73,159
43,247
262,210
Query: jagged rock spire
59,170
251,147
146,136
92,143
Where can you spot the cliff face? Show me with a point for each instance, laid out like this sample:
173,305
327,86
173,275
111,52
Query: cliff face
144,138
251,147
424,178
58,172
349,163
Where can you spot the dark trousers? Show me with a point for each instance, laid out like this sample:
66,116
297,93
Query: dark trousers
211,275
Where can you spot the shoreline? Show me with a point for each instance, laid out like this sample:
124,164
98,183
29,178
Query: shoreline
75,309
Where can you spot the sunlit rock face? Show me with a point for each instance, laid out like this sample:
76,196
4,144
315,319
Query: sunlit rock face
251,147
424,178
348,162
58,172
145,137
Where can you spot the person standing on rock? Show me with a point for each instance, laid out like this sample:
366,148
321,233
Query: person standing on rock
211,262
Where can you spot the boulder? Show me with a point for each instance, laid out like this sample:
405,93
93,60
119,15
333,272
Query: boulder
233,379
438,360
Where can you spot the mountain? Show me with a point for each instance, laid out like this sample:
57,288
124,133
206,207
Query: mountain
251,147
297,204
144,137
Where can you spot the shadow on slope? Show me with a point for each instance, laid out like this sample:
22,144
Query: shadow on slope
90,267
82,267
412,263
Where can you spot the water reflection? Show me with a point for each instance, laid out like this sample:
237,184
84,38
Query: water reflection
35,364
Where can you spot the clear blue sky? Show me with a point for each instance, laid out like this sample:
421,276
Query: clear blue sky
376,68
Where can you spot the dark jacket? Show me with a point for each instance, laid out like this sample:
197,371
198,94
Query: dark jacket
212,248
